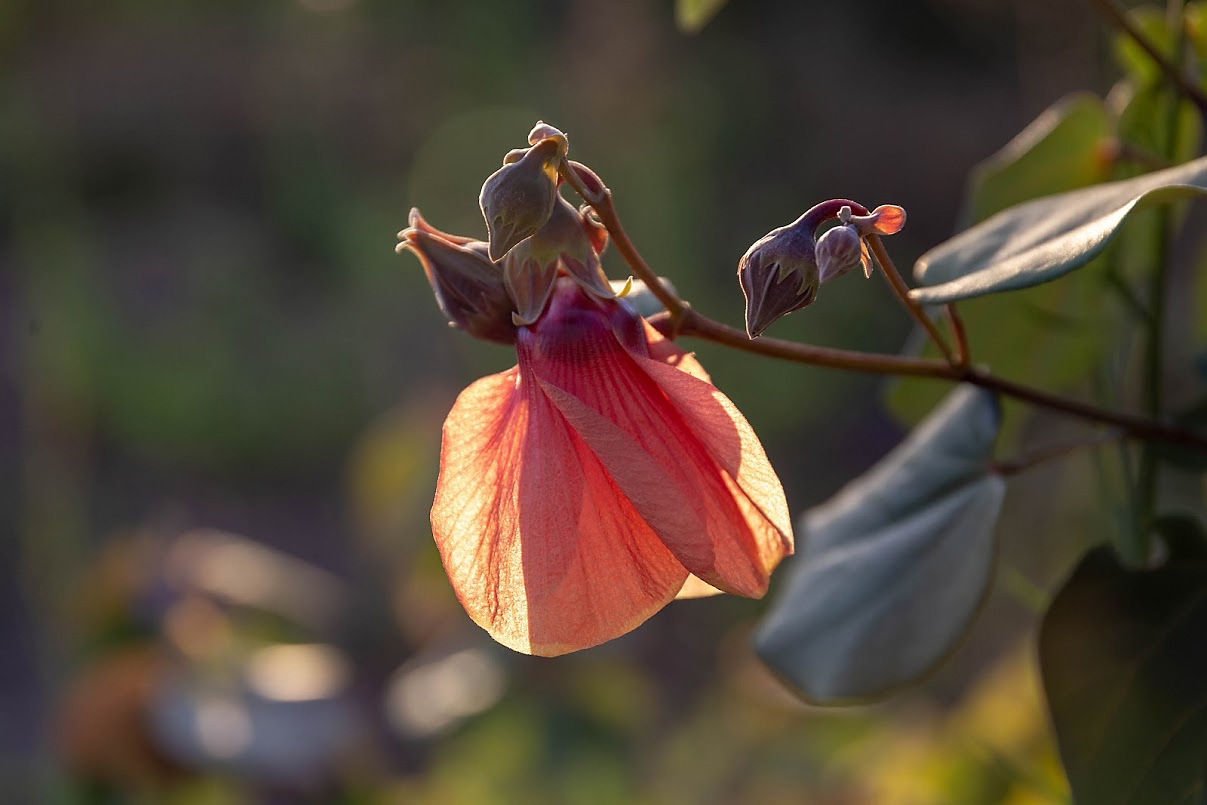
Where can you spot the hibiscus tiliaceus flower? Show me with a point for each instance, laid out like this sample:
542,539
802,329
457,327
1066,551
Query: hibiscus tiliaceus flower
582,489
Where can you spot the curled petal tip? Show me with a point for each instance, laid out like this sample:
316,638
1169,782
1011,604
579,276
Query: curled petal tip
890,219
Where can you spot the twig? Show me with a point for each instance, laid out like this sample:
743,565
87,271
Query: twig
1026,461
1118,17
682,319
963,355
901,290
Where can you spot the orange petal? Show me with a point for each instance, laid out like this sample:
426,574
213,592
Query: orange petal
732,443
889,219
720,517
542,548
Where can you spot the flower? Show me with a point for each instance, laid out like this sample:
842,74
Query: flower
580,489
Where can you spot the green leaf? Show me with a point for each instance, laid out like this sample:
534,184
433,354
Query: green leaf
1123,656
894,567
1062,149
1040,240
1143,122
692,15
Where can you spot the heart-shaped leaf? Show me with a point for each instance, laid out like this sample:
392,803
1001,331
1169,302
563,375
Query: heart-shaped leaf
1124,661
1043,239
895,565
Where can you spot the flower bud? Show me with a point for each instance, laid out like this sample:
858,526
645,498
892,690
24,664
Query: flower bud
518,198
562,244
778,274
469,288
838,251
543,131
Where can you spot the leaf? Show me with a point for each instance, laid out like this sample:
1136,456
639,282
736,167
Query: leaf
1124,664
893,567
692,15
1043,239
1062,149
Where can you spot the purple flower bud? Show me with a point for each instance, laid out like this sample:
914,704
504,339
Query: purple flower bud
778,274
518,198
838,251
469,288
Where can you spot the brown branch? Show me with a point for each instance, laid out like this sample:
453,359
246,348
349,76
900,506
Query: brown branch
901,290
682,319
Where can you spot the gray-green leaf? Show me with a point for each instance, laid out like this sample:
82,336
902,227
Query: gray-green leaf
1124,661
894,567
1043,239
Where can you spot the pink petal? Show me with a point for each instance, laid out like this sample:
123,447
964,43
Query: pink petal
733,445
676,447
889,219
542,548
667,351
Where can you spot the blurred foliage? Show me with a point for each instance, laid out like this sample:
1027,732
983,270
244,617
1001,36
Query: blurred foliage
202,324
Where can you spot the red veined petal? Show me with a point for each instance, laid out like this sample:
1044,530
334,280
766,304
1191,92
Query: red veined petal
700,508
752,479
542,548
667,351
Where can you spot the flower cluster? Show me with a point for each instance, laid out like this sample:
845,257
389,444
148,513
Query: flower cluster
782,270
583,489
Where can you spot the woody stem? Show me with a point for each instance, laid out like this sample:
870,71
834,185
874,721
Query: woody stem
601,201
682,319
1025,462
902,292
963,356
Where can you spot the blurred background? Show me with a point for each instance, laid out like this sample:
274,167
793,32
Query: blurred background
221,391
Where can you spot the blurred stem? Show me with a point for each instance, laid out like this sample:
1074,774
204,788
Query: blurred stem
681,319
1173,69
902,292
1154,363
1026,461
1130,152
